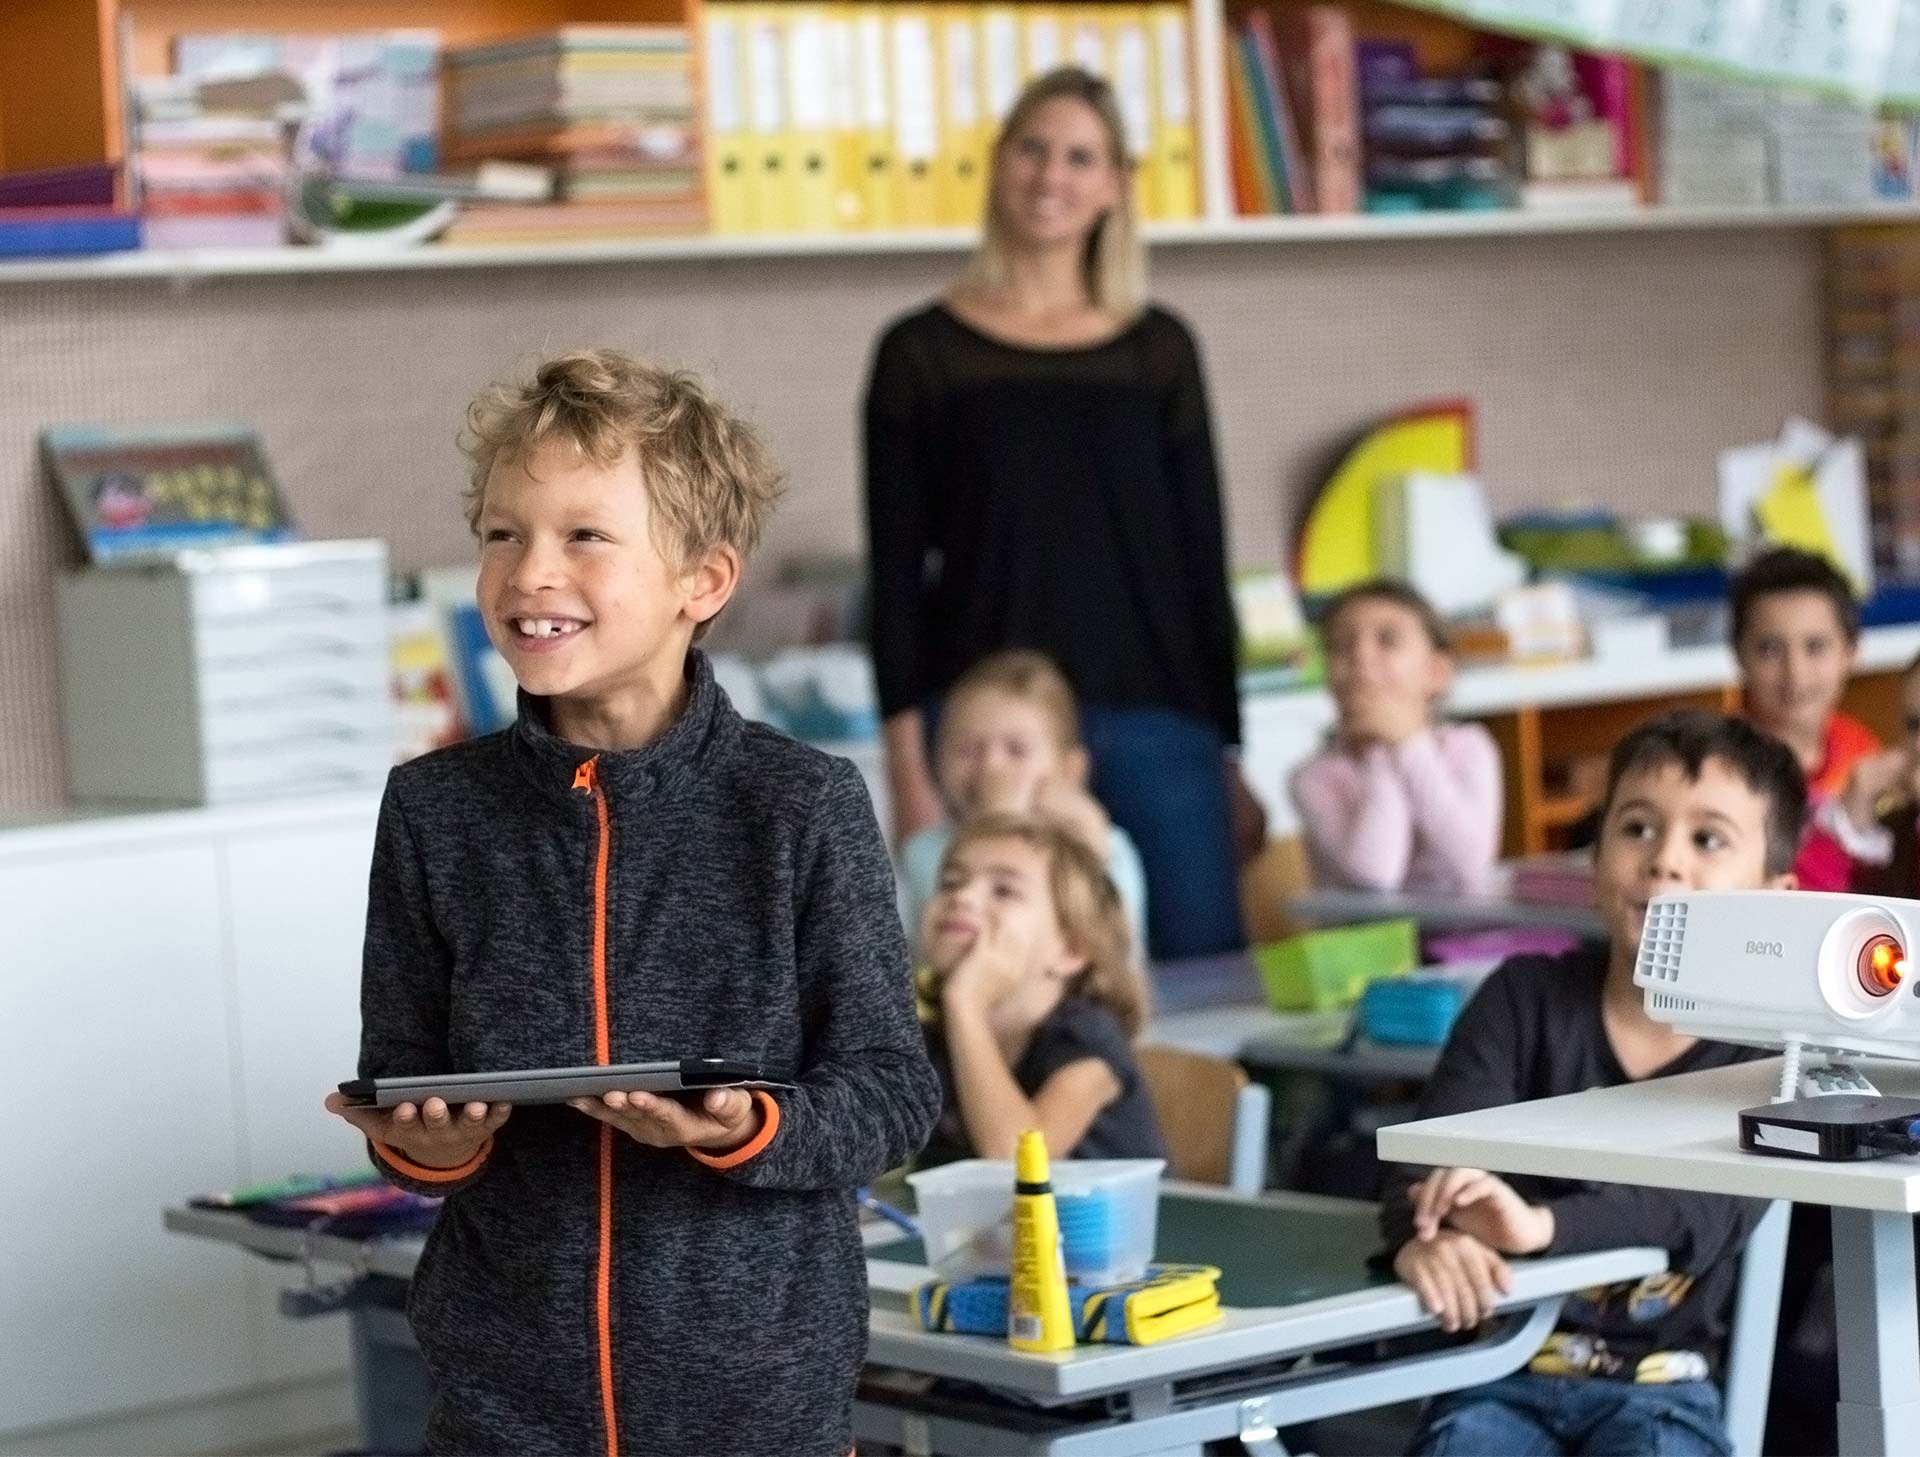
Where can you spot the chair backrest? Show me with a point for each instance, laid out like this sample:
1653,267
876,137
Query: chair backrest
1213,1118
1276,876
1750,1339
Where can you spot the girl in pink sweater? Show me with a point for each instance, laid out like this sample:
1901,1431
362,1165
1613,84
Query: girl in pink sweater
1396,801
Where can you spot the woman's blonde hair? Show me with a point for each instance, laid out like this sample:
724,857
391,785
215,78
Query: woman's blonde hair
1092,917
709,481
1114,266
1029,676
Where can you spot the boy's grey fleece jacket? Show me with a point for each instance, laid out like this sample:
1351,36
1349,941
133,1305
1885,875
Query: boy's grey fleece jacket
724,891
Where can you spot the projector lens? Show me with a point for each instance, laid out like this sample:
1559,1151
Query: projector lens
1882,966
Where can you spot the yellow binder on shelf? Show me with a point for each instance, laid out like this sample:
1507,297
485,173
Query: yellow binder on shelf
961,166
729,157
873,99
775,201
849,194
1174,162
1043,40
809,68
1130,53
1000,70
1087,39
912,60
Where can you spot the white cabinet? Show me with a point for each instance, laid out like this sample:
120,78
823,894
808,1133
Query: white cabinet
231,675
177,994
296,912
117,1080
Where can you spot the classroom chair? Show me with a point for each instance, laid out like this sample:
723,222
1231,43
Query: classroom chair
1214,1118
1751,1332
1271,881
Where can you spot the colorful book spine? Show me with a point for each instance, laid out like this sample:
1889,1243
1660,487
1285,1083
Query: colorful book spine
1324,88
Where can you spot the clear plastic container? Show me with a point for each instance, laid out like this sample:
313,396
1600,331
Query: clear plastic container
1108,1212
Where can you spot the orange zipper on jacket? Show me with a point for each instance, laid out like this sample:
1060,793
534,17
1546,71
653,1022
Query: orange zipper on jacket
586,779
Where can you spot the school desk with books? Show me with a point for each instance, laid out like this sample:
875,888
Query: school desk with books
1294,1283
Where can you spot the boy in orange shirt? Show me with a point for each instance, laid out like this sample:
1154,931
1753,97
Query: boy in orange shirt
1796,632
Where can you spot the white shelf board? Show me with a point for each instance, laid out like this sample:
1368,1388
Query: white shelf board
189,265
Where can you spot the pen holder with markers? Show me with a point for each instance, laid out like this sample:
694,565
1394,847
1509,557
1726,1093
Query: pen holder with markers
1108,1212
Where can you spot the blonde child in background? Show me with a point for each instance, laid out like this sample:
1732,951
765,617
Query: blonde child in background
1034,996
1397,800
1796,629
1009,742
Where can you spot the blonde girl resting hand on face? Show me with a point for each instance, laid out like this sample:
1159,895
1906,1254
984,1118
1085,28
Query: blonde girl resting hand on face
1032,998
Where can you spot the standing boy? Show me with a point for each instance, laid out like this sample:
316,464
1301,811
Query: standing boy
1695,801
630,873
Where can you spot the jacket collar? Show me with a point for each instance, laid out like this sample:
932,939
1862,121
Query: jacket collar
554,763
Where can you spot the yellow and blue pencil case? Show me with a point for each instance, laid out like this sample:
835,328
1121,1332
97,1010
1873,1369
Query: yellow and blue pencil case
1168,1301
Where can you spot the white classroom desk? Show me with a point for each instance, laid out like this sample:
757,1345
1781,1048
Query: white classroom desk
1216,1005
1269,1362
1683,1133
1438,912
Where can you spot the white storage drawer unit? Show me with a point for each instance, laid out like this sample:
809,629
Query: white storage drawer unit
228,675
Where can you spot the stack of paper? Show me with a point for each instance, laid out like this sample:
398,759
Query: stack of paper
610,108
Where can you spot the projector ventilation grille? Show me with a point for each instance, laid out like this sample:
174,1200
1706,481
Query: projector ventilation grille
1660,942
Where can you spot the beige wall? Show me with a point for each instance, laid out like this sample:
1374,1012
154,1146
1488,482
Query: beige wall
1605,369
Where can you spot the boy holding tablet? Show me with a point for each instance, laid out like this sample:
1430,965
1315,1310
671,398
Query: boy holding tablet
633,873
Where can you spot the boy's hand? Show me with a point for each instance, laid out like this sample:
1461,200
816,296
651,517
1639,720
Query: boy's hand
1483,1205
430,1134
1006,791
990,972
724,1118
1458,1279
1070,805
1872,780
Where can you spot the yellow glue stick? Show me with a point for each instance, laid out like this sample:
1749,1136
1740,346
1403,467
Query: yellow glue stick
1039,1314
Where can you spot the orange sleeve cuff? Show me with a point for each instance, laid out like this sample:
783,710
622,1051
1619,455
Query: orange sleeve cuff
769,1125
407,1166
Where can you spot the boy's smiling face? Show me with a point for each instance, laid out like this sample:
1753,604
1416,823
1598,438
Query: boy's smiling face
576,594
1795,659
1665,831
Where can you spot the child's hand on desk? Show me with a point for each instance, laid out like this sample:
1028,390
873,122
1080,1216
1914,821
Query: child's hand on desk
431,1133
1458,1279
1483,1205
724,1118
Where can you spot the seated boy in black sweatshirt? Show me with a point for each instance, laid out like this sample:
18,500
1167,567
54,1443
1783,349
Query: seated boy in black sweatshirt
1695,801
632,873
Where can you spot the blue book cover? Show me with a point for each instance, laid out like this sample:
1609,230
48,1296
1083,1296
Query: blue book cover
66,232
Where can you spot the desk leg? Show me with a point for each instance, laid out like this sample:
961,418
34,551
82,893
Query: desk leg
1874,1301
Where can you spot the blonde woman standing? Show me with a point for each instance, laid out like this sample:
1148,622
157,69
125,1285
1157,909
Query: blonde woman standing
1040,473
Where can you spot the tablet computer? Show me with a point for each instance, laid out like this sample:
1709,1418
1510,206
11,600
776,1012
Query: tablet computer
557,1084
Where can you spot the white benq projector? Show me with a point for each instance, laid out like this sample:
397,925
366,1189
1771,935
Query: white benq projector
1779,968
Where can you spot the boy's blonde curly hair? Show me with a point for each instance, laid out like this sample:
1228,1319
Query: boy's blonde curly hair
709,480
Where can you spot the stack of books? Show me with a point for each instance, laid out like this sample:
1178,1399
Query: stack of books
610,109
63,211
212,170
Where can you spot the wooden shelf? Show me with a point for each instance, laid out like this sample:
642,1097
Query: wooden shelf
1560,811
186,266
